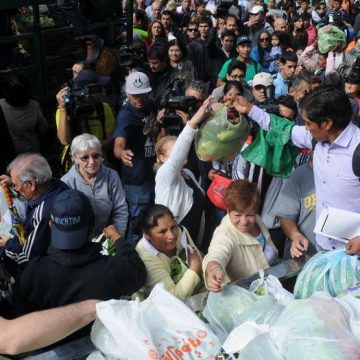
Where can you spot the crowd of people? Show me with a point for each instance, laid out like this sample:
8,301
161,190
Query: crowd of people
130,172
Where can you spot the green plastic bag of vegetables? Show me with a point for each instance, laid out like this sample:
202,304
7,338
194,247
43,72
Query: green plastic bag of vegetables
333,272
330,36
219,139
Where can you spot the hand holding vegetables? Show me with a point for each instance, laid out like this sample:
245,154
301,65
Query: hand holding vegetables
242,105
112,233
201,114
214,276
353,246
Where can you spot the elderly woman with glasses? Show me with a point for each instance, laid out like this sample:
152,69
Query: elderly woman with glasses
99,183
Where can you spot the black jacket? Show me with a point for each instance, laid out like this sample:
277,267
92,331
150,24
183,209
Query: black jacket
67,276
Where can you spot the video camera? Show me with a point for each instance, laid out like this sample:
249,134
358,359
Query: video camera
172,101
270,105
79,102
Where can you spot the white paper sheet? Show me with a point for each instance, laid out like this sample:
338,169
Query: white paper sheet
338,224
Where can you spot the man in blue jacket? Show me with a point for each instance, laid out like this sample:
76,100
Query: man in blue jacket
31,177
74,268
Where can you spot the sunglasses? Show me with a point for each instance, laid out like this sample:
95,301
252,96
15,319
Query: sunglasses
259,87
193,30
264,39
236,76
95,156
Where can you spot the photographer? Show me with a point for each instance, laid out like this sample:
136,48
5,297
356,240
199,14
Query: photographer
263,91
81,110
178,109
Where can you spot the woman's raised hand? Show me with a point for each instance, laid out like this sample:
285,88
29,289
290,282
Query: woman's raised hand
203,112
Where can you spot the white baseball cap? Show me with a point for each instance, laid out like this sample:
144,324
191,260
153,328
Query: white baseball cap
262,78
256,9
137,83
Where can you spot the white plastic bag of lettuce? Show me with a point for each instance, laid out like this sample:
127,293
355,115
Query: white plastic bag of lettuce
223,309
234,305
315,328
270,285
218,138
331,271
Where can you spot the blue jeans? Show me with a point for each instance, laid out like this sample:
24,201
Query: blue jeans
139,198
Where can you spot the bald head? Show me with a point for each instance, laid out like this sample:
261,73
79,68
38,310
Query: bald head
280,24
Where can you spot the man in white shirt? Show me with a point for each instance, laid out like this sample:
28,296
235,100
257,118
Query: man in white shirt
327,116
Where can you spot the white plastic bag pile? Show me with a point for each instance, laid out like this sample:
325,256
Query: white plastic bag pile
160,327
278,327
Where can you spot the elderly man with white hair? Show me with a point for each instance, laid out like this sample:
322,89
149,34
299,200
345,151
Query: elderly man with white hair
31,177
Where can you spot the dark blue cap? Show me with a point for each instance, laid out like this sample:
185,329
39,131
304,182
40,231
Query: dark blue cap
242,39
71,217
89,77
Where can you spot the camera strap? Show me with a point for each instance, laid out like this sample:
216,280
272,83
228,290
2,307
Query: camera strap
99,109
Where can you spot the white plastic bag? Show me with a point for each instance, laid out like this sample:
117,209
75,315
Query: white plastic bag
160,327
320,327
223,309
352,307
271,286
315,328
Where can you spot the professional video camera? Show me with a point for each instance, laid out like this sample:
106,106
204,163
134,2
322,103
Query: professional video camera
173,100
270,105
79,102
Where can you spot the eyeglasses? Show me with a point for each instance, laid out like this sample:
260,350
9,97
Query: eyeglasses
236,76
16,189
264,39
192,30
259,87
95,156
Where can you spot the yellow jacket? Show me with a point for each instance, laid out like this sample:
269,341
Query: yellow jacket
158,268
239,254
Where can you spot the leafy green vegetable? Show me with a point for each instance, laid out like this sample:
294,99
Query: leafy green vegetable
219,139
332,272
